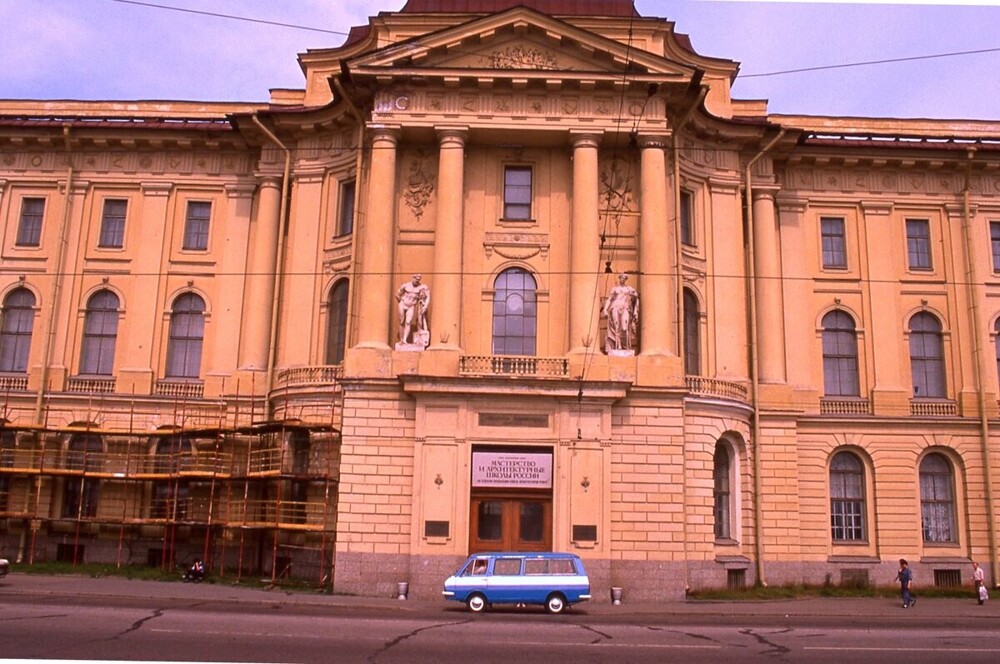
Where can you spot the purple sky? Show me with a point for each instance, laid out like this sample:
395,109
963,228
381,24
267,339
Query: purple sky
102,49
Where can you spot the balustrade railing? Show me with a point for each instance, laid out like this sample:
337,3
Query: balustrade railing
513,365
85,384
180,389
310,375
715,387
829,406
936,408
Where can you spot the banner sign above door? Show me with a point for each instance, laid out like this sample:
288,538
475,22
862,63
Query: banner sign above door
512,470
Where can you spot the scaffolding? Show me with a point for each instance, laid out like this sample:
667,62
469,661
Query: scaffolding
259,499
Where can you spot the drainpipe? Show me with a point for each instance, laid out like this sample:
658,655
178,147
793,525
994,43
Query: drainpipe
58,276
279,268
977,366
754,372
678,258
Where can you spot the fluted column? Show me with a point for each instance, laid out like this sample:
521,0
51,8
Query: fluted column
586,249
260,282
770,319
446,284
657,269
374,274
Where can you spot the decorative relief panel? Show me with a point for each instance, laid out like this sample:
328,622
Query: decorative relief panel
131,162
419,183
516,246
520,57
885,182
617,182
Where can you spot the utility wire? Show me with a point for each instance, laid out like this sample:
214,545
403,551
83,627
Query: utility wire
872,62
782,72
232,17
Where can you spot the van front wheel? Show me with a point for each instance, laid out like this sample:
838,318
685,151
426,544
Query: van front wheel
555,603
476,603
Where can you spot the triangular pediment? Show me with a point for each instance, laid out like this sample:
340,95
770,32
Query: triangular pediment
515,44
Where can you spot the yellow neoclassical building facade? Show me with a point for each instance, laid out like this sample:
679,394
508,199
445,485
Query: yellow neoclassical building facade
501,276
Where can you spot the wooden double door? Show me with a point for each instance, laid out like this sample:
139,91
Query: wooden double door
511,522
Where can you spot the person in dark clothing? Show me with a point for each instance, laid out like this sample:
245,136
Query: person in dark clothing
905,578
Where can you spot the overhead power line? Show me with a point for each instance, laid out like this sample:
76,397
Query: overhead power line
232,17
872,62
782,72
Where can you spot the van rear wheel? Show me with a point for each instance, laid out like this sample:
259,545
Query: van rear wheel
476,603
555,603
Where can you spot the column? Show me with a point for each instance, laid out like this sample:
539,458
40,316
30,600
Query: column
586,250
374,269
260,281
767,289
446,286
657,254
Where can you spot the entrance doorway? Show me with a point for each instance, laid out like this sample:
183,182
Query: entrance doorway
510,522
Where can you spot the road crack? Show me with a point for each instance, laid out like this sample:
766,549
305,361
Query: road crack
409,635
773,649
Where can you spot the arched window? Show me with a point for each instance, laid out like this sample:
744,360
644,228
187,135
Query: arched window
15,330
927,357
722,490
937,499
100,332
692,337
515,313
847,498
170,493
81,493
840,355
187,332
336,323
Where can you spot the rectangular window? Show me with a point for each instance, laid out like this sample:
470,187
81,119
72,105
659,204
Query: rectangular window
113,224
687,218
918,243
345,221
832,232
517,193
995,244
196,225
29,231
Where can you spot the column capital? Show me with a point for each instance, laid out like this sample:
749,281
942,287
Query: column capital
381,132
761,193
584,139
451,134
655,141
269,181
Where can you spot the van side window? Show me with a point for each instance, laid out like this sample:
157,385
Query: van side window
476,567
507,567
561,566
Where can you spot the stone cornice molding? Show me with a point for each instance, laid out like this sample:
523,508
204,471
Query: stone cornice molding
876,208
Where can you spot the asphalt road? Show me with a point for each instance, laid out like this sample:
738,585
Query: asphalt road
76,618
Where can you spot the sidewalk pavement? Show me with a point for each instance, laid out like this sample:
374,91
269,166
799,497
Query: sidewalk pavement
85,586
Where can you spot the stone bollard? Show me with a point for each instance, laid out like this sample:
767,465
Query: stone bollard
403,588
616,595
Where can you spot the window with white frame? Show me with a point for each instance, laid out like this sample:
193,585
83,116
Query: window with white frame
345,216
840,355
937,499
918,244
196,225
927,357
187,333
515,313
100,334
113,224
517,193
29,229
834,240
847,498
16,324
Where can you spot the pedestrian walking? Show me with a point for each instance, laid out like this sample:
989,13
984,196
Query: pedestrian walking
979,579
905,578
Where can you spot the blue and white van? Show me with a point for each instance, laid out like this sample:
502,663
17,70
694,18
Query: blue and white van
553,580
